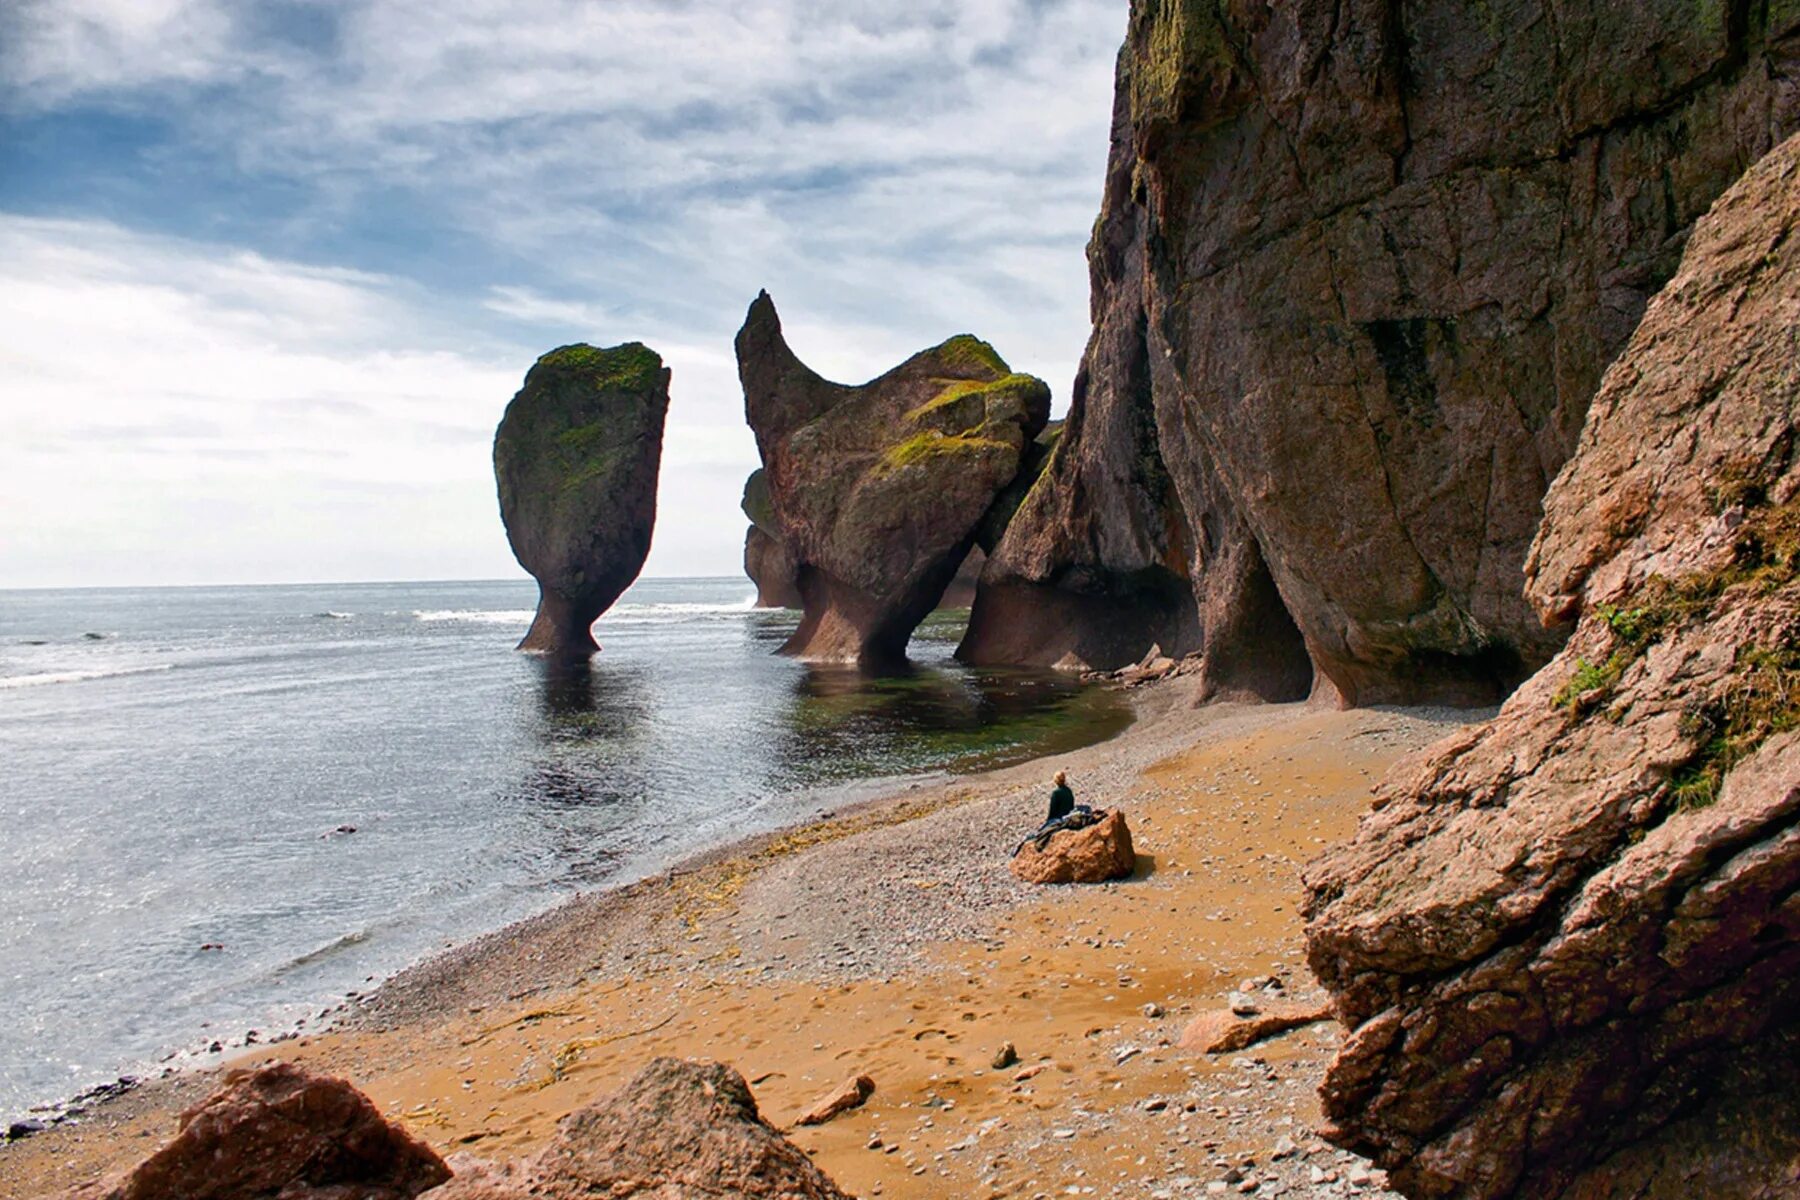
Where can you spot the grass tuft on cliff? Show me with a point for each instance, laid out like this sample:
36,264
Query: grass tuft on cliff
630,367
1762,697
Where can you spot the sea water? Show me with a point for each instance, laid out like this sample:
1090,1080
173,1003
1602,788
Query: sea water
223,809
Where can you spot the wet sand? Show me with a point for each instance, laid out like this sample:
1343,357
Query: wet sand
890,940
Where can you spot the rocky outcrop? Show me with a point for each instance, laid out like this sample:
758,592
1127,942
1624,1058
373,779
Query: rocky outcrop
1358,272
677,1131
879,491
1099,852
276,1132
766,560
576,458
1568,941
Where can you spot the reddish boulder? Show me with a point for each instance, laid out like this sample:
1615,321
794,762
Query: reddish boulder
1100,852
677,1131
1568,941
278,1133
879,492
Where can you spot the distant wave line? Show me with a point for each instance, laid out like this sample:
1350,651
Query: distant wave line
650,613
45,677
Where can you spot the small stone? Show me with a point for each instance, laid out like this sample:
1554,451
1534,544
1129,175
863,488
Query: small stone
1241,1005
1153,1011
1284,1148
847,1095
1005,1056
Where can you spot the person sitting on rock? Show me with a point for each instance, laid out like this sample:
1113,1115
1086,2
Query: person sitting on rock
1062,798
1064,814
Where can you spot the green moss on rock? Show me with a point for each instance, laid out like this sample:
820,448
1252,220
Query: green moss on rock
967,352
632,366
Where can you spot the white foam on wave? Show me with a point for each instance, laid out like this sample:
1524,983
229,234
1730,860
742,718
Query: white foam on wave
509,616
332,615
677,611
644,614
45,677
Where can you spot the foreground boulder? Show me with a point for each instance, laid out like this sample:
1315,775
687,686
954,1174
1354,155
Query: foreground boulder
1358,272
576,458
1568,941
1096,854
879,491
677,1131
278,1133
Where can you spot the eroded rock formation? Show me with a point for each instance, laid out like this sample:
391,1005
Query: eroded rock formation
1358,272
576,458
1568,941
766,558
676,1130
879,491
276,1132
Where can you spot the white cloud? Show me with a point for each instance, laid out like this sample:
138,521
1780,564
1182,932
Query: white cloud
181,412
628,169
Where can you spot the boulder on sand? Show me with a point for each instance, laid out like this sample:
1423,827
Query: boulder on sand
677,1131
1100,852
879,491
1567,942
576,459
276,1132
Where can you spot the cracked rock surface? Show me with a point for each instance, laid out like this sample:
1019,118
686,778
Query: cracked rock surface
1567,943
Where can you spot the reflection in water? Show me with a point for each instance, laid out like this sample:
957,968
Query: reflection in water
842,724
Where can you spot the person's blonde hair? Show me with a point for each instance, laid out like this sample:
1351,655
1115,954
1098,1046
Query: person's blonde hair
1061,778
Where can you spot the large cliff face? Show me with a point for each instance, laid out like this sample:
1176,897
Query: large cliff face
1358,273
576,460
879,491
1568,941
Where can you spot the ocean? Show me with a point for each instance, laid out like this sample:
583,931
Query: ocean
224,809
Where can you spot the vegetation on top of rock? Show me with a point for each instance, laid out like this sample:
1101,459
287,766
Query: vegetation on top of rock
967,352
633,365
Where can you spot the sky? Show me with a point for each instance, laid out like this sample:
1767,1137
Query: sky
271,269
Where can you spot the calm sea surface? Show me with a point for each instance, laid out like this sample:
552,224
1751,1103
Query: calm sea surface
175,765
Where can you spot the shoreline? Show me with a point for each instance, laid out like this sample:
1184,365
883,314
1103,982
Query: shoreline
895,903
775,815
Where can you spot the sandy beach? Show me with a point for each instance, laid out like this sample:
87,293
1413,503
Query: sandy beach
890,940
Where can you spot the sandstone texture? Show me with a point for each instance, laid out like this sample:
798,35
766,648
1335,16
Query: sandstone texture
576,458
1567,942
1093,855
280,1133
677,1131
1358,272
879,492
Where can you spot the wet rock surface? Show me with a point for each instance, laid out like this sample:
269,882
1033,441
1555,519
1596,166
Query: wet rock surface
279,1133
879,492
576,460
1358,272
677,1131
1568,941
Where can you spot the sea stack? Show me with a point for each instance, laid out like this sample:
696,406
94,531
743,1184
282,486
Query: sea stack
880,491
576,459
1567,942
766,558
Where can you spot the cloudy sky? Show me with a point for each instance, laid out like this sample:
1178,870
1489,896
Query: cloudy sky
270,269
